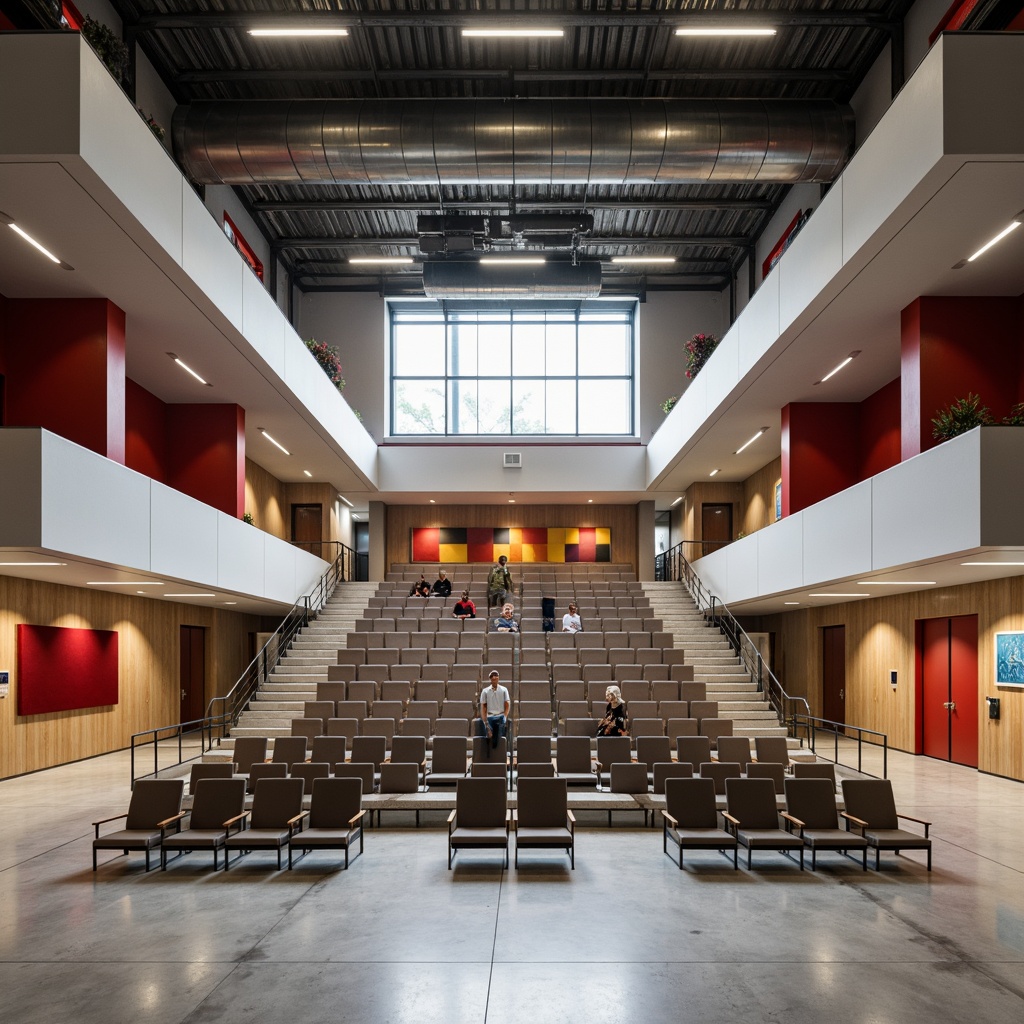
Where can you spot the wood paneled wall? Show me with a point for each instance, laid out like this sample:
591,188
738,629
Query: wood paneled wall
620,519
315,494
880,637
266,498
148,654
708,492
759,497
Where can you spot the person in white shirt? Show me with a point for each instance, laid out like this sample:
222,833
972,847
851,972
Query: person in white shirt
571,620
494,706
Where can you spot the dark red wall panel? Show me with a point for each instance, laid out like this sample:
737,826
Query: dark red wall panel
64,362
820,451
879,418
145,432
65,669
206,454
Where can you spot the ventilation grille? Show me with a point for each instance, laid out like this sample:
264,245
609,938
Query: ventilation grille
512,460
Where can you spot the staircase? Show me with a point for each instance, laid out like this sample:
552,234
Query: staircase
714,662
304,664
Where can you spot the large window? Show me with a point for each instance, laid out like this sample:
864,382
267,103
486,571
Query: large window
512,370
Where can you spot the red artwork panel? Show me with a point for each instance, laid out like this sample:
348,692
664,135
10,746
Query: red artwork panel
426,545
481,543
65,669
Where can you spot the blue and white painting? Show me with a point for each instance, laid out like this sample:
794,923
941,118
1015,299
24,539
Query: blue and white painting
1010,659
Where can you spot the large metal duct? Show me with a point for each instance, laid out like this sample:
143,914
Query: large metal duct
473,280
535,141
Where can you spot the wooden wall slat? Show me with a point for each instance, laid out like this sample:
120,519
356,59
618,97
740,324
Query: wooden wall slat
267,499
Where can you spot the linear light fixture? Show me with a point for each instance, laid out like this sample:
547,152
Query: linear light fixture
838,595
307,472
846,362
382,260
512,33
188,369
231,602
432,502
714,472
792,602
34,563
992,563
301,32
751,441
726,31
643,259
190,595
1012,226
507,261
276,444
124,583
676,502
347,502
9,221
896,583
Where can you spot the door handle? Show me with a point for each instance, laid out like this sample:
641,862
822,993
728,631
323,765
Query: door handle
183,694
842,694
949,705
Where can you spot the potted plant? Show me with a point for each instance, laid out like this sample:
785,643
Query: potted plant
1016,417
669,404
327,356
961,415
698,352
108,47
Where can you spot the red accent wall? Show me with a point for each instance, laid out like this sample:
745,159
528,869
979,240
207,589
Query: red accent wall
952,345
62,669
145,432
64,364
206,454
880,430
820,452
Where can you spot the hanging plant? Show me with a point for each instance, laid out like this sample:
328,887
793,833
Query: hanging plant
327,356
963,414
669,404
108,47
698,352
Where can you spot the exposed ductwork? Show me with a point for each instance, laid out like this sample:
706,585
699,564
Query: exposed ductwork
473,280
534,141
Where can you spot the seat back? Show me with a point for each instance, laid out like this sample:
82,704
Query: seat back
249,750
335,802
408,750
216,801
347,727
572,755
735,748
204,770
629,777
676,727
715,729
484,751
480,803
451,727
719,772
752,802
535,770
533,749
775,772
400,777
542,802
613,750
872,801
488,770
653,749
289,749
308,772
370,748
329,749
694,750
774,749
813,801
273,770
153,800
665,770
449,755
691,802
276,801
361,770
817,770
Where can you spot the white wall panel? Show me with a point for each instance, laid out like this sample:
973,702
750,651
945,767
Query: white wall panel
780,556
262,323
837,536
758,327
279,569
713,571
721,372
210,259
741,574
184,535
240,556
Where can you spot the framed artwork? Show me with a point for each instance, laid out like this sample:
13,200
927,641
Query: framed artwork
778,500
1010,659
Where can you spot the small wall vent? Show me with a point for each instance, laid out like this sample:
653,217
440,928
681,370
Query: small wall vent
512,460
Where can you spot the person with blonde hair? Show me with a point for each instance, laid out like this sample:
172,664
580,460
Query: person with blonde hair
615,722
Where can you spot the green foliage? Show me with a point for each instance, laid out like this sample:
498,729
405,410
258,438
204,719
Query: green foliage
108,47
963,414
1016,417
248,518
698,352
669,404
327,356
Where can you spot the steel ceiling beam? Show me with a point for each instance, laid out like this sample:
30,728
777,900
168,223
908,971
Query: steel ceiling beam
374,206
725,241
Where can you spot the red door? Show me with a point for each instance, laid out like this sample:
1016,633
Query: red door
948,656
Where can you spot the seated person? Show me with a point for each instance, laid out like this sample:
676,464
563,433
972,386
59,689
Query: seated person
571,620
494,707
421,588
614,722
442,585
464,608
506,621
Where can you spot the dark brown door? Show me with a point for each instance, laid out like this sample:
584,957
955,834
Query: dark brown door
307,526
833,673
192,673
715,527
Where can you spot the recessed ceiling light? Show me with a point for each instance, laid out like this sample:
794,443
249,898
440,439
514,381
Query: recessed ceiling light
9,221
643,259
511,501
838,595
513,33
896,583
792,602
1012,226
676,502
846,362
276,444
302,32
381,260
507,261
307,472
432,502
590,501
347,502
714,472
992,563
231,602
751,441
123,583
725,32
34,563
139,591
189,595
188,369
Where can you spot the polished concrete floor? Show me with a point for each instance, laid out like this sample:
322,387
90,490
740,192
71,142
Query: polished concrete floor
626,937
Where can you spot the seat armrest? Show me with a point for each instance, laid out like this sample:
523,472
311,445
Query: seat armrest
175,819
920,821
794,821
729,818
356,817
851,820
237,818
669,820
292,822
571,816
103,821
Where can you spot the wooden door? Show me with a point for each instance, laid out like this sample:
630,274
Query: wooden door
192,673
948,688
833,673
715,527
307,527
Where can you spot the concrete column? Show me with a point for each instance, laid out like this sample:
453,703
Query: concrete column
645,541
378,541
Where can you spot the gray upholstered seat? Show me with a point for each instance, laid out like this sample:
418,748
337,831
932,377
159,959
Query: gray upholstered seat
275,816
612,750
719,772
447,762
361,770
693,750
871,808
662,771
154,809
289,749
480,819
772,748
335,818
329,749
751,809
815,770
249,750
573,761
543,818
811,809
691,818
400,777
767,770
308,772
208,770
273,770
535,770
216,809
735,748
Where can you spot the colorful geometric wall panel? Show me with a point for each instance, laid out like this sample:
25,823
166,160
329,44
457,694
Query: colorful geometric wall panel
63,669
459,545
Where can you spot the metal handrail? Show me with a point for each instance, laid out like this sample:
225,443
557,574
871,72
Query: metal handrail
223,712
812,726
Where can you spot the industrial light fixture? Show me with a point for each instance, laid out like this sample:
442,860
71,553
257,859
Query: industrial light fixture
714,472
506,261
1012,226
750,442
276,444
643,259
512,33
307,472
347,502
846,362
676,502
9,221
896,583
300,32
726,31
382,260
188,369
